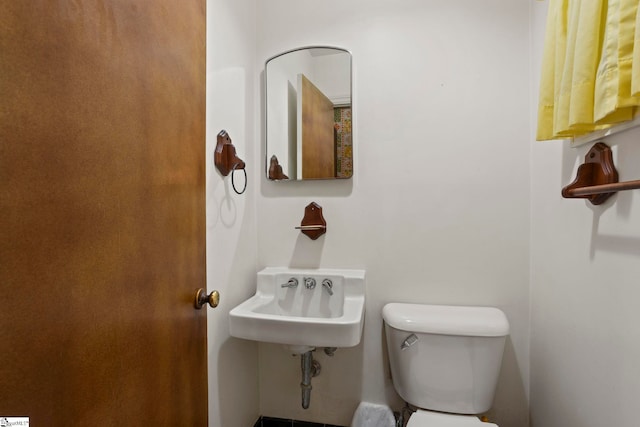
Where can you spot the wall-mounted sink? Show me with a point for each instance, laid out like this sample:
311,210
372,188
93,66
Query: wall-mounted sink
328,314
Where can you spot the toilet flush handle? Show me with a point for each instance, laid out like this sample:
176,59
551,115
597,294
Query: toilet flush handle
409,341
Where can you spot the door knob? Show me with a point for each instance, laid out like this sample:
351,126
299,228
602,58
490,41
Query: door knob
213,299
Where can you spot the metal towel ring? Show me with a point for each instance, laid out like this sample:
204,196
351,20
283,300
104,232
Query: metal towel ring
233,184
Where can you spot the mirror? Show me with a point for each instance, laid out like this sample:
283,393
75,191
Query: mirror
308,114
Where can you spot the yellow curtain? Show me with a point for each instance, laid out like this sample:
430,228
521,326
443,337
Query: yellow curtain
590,67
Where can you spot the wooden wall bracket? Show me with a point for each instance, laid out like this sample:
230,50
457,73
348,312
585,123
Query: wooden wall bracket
225,157
313,224
597,178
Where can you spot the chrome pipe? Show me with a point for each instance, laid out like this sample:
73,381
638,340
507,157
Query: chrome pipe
305,385
310,368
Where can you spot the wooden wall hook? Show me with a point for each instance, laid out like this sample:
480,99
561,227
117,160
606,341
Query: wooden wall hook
225,157
275,169
313,224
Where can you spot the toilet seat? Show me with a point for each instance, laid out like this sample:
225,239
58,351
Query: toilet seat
422,418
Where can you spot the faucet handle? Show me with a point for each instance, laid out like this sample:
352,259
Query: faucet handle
309,282
328,285
292,283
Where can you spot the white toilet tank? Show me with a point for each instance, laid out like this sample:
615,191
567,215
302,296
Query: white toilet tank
445,358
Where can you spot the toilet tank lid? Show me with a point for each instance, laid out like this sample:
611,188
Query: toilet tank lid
446,319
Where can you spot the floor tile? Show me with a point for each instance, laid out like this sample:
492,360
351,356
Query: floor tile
276,422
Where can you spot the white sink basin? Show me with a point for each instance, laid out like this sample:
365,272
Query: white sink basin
299,316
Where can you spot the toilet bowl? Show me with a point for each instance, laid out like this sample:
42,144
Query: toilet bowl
445,360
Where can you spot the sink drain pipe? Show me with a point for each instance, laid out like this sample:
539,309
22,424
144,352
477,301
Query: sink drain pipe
310,368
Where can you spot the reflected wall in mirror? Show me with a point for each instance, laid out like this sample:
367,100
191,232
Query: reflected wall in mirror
308,114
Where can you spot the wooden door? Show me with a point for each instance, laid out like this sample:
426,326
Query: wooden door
318,132
102,235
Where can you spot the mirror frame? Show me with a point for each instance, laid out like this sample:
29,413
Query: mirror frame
266,112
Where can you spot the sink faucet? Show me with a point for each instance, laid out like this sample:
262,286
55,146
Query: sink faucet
327,284
292,283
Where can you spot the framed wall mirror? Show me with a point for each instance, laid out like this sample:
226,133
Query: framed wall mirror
308,114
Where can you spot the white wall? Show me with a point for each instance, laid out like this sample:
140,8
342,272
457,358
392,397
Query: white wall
231,230
332,76
438,209
585,264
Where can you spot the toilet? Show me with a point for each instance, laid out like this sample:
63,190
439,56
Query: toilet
445,360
